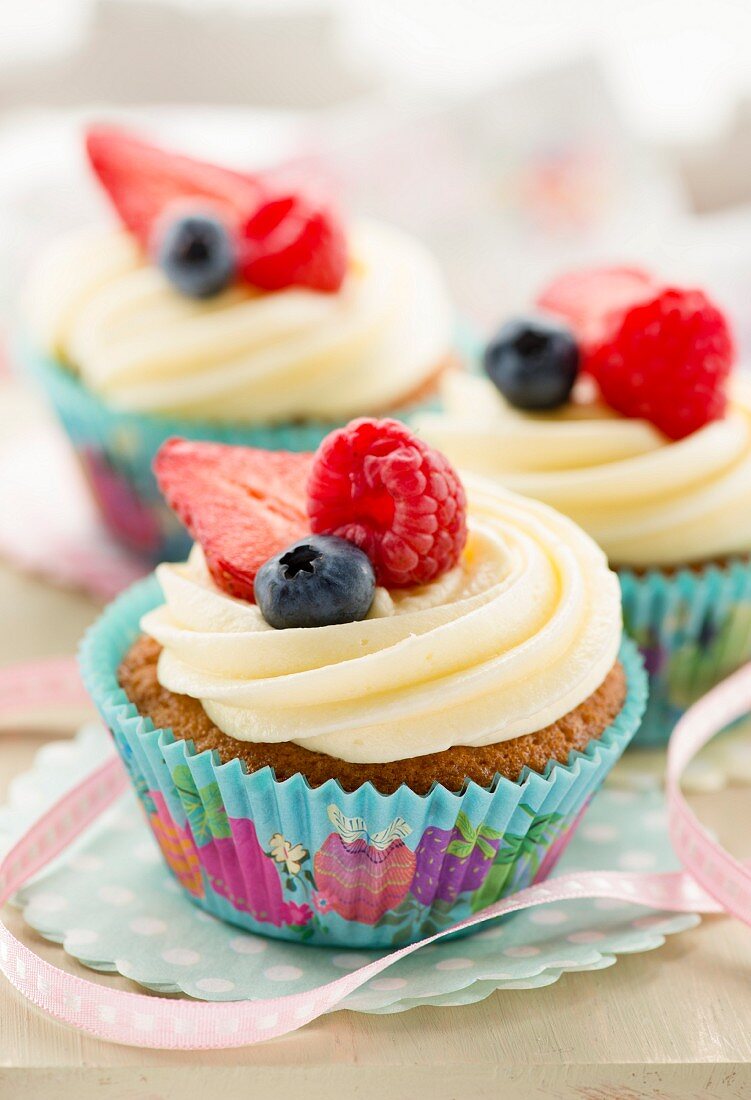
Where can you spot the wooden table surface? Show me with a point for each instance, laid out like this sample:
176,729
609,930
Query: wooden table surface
675,1022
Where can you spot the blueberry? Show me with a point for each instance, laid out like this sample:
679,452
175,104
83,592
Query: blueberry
533,362
195,252
319,581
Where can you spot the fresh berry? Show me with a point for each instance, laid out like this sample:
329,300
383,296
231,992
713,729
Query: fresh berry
667,361
282,238
453,861
363,876
318,581
287,242
143,181
656,352
533,362
241,504
586,299
377,485
195,252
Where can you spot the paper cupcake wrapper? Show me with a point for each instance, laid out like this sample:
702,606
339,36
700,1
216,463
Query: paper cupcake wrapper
325,866
693,629
116,450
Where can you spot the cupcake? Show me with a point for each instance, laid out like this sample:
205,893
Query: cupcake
370,703
227,307
618,406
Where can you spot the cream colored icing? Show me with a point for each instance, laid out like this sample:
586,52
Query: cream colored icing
97,303
645,499
522,631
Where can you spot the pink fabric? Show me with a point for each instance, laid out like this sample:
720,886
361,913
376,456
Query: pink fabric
712,882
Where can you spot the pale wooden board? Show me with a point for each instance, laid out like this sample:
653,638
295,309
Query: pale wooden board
675,1023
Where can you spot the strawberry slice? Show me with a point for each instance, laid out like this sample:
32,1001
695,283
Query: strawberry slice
142,181
590,299
241,504
283,238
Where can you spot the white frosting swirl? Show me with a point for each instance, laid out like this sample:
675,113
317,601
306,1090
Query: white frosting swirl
98,304
522,631
648,501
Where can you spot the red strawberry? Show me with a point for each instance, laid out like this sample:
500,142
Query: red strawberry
589,297
241,504
283,239
143,180
376,484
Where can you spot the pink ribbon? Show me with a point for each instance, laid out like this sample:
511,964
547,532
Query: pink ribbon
712,882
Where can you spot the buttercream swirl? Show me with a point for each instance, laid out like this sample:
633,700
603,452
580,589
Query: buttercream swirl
648,501
98,304
522,631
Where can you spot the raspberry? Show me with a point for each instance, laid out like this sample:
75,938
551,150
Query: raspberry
289,242
659,353
666,360
379,486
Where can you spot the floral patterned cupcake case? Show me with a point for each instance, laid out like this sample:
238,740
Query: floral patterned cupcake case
114,906
325,866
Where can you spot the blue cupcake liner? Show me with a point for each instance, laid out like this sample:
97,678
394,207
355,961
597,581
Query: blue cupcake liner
116,450
326,866
693,628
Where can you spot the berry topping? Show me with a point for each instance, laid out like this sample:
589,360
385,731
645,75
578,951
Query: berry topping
586,299
196,254
533,362
289,241
667,361
241,504
656,352
377,485
282,238
142,181
319,581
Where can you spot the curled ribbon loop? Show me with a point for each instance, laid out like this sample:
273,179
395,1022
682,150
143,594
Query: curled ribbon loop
712,882
723,877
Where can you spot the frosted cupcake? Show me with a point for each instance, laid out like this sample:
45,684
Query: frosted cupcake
367,705
221,307
624,414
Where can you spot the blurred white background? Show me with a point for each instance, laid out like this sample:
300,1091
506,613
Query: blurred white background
676,67
515,135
